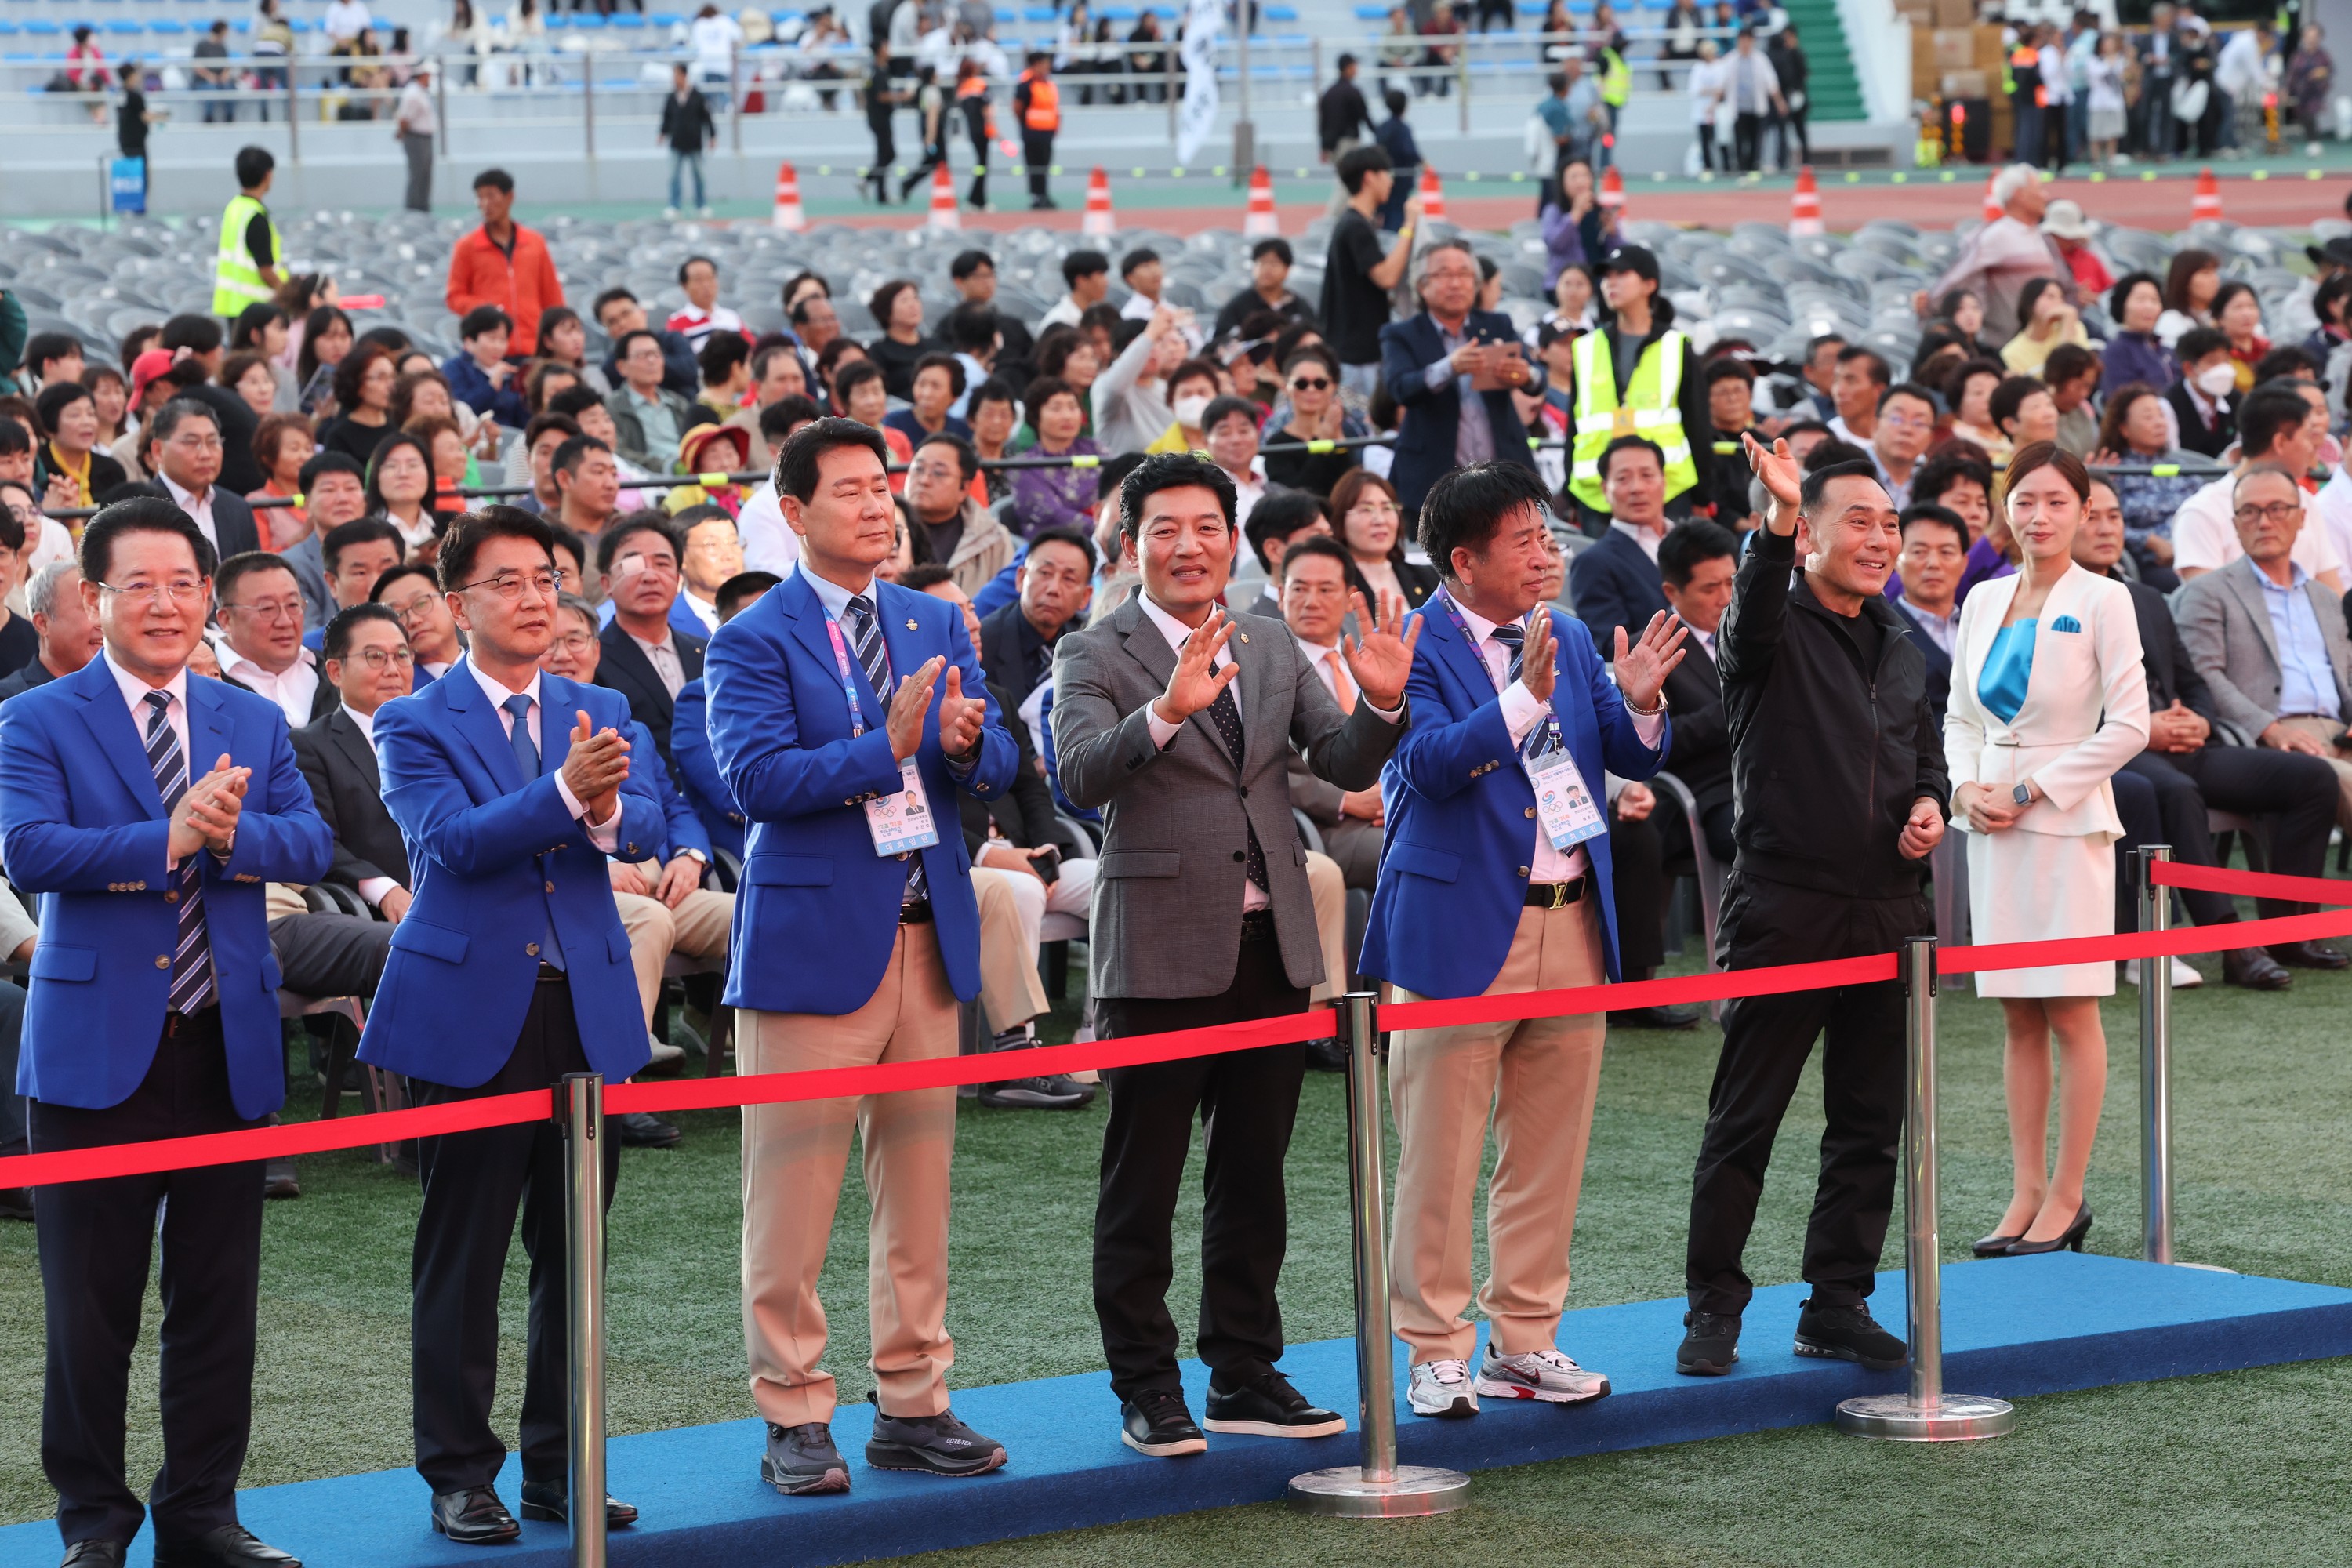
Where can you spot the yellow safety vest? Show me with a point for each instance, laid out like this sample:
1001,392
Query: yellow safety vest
1649,409
1616,79
236,281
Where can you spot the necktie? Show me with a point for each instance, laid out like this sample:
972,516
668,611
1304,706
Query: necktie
866,639
1514,637
1343,691
550,950
192,956
1226,715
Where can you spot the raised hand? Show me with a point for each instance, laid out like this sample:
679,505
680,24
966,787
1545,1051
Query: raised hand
1195,681
961,718
908,706
1783,479
598,762
1642,668
1383,656
1539,669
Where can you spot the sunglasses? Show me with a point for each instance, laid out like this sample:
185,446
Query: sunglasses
1311,383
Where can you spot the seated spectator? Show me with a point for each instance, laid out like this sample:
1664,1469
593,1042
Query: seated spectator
69,415
702,317
697,775
1934,556
1191,387
20,645
1311,379
776,375
66,631
2277,428
2138,429
724,363
1274,522
1056,495
1054,583
595,421
414,594
368,664
587,485
1365,517
1968,391
1615,584
2204,398
710,551
709,452
645,657
1315,599
650,418
1271,261
259,639
858,393
1696,561
541,437
283,448
2048,320
400,487
2072,374
995,418
617,311
1724,473
2025,412
937,387
1907,423
964,537
1230,425
478,375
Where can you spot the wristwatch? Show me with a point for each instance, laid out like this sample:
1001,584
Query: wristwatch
2023,794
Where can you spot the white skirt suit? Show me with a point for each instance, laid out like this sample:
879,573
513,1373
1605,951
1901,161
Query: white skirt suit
2084,714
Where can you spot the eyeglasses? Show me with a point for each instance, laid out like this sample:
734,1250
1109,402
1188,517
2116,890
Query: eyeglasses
413,606
575,642
271,609
1311,383
935,471
179,590
378,659
195,443
2277,511
509,584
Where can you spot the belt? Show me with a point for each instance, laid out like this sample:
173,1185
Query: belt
548,974
1555,895
915,914
1257,925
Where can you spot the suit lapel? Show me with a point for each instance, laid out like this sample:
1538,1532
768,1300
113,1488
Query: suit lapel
482,727
361,755
1144,642
117,733
208,726
1259,663
559,701
808,614
2250,594
1453,650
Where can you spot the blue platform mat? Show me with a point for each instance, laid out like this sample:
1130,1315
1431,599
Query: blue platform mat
2012,1327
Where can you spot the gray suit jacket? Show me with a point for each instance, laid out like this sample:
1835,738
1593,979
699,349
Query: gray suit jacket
2226,626
1168,893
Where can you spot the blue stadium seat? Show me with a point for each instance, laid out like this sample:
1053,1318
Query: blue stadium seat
1282,13
299,26
1044,15
120,27
627,21
587,22
666,19
7,28
41,26
558,20
169,26
1125,14
1371,12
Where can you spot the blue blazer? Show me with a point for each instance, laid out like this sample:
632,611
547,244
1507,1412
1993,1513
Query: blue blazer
87,830
1460,812
682,828
483,841
1612,583
698,771
816,914
1424,445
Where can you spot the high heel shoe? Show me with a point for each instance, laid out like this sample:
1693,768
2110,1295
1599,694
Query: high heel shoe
2068,1240
1995,1246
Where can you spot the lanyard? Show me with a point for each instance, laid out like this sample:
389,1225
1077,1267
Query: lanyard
848,681
1551,719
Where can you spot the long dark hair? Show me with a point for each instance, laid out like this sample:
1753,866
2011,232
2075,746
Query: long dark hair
306,362
384,448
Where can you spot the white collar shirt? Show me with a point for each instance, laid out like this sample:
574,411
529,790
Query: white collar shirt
606,837
1253,896
199,507
294,688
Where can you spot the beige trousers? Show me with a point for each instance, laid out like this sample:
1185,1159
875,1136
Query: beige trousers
1537,1077
794,1156
2329,734
1329,889
1012,909
698,927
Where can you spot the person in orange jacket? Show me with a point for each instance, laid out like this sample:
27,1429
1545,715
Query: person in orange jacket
504,263
1038,101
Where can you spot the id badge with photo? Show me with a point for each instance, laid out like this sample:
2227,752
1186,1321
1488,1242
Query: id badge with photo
1567,809
903,821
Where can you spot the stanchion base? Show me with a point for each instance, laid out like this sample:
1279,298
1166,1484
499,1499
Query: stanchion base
1954,1419
1343,1492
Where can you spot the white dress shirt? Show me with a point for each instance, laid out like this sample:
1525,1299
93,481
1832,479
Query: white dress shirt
1521,714
294,689
199,507
1646,538
769,542
605,836
704,611
374,889
2205,537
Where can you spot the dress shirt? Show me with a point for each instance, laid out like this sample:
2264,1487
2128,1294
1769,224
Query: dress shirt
606,838
2306,679
1474,438
436,671
1645,537
835,600
373,889
1331,665
1944,631
293,690
655,419
199,507
704,611
2205,537
664,655
1521,714
1706,639
134,697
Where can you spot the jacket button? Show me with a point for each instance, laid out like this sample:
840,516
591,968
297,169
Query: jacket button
1239,855
162,960
172,897
532,948
1245,791
1523,870
551,886
1531,811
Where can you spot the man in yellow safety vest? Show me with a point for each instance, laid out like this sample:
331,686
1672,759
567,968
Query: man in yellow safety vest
1636,376
251,260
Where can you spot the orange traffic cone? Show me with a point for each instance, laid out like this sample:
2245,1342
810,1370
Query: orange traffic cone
1991,206
1098,222
1260,221
788,213
1613,189
944,215
1432,195
1805,207
2205,207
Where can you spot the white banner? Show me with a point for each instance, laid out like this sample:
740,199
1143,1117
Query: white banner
1199,115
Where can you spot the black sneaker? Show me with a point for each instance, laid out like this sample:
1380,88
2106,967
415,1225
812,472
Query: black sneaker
1056,1091
1155,1423
1848,1334
643,1129
1661,1017
1269,1407
802,1461
1710,1344
939,1443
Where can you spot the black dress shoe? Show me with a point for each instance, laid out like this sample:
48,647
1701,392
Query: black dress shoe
474,1517
1656,1018
230,1546
802,1461
1710,1344
939,1443
1155,1423
548,1502
2309,955
1269,1407
279,1180
94,1554
643,1129
2253,969
1995,1246
2067,1240
1326,1056
16,1202
1848,1334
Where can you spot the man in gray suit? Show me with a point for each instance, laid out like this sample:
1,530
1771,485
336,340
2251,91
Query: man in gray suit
1178,720
2269,640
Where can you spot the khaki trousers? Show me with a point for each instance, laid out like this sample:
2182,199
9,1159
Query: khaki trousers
2330,734
1537,1077
1012,909
1329,888
698,927
793,1160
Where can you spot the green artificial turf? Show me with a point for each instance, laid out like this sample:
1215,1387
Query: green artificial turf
2243,1468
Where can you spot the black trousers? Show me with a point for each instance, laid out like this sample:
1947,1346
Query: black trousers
1247,1103
1637,879
331,955
97,1239
1766,1040
1037,152
886,153
474,1182
2295,792
1748,140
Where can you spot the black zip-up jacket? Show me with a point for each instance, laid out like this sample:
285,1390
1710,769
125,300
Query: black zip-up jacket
686,123
1827,758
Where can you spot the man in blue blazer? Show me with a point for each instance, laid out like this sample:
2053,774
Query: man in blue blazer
149,808
1451,370
1490,887
696,769
1615,584
856,936
509,970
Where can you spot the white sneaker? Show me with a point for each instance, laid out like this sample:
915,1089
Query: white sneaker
664,1053
670,212
1544,1374
1442,1388
2184,976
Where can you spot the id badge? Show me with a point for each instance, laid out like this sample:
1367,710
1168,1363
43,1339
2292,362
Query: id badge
1567,809
902,822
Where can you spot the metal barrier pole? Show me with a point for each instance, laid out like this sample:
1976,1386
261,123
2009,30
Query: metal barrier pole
735,99
1378,1488
588,106
1925,1414
582,1099
441,101
293,109
2155,1065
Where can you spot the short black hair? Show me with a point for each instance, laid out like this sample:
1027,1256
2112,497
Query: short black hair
2068,361
1912,390
328,461
1273,245
722,353
796,464
496,179
1726,367
1358,162
948,362
924,575
243,564
1935,516
358,530
2267,413
1279,514
1877,370
1168,471
1142,256
1687,546
55,399
2288,361
596,306
142,515
647,519
1809,496
14,438
341,629
1816,345
197,334
743,585
1221,409
1069,536
2198,342
967,262
1463,507
43,347
253,163
621,345
967,457
575,400
1083,264
2010,396
970,328
400,571
483,318
166,421
686,264
784,413
472,530
989,391
1630,444
1315,544
1946,466
567,456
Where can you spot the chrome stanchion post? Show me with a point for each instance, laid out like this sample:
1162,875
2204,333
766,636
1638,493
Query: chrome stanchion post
1378,1488
1925,1414
2155,1065
581,1098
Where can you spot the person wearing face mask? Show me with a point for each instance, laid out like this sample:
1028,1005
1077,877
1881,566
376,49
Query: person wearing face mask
2274,428
1191,387
2204,399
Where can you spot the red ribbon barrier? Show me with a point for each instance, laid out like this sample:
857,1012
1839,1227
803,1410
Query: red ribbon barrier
841,1083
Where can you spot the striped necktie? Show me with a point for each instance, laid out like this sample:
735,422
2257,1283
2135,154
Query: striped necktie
1514,637
192,959
526,751
866,639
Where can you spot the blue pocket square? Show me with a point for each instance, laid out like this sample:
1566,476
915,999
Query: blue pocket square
2065,623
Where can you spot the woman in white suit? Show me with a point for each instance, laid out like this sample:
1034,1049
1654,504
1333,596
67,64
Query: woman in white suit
2048,699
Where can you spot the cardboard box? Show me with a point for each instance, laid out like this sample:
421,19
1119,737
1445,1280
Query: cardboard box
1954,13
1963,85
1953,48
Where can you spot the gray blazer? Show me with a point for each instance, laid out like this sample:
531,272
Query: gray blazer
2226,626
1168,889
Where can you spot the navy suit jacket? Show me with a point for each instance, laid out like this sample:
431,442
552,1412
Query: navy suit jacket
695,772
1460,812
816,914
1614,584
1424,445
1939,663
484,843
86,831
